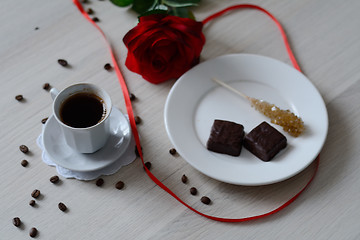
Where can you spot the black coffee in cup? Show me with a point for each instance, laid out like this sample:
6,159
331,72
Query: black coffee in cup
82,110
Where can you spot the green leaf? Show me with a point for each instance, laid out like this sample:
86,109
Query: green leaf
182,12
181,3
122,3
141,6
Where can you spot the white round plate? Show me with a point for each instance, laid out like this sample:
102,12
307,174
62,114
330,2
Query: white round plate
61,154
195,101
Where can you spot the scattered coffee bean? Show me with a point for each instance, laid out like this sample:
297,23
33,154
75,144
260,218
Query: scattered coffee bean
184,178
120,185
85,1
16,221
46,86
62,206
63,62
24,163
32,202
43,121
24,149
137,119
107,67
35,193
95,19
99,182
137,152
148,165
90,11
193,191
132,97
36,28
54,179
33,232
205,200
19,97
172,151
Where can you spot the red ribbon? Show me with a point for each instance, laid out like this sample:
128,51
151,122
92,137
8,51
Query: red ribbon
133,124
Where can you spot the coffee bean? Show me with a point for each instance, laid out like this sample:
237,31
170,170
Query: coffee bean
148,165
193,191
62,206
32,202
205,200
19,97
63,62
172,151
85,1
24,163
36,28
24,149
137,119
95,19
120,185
90,11
46,86
107,67
16,221
184,178
137,152
99,182
54,179
35,193
43,121
33,232
132,97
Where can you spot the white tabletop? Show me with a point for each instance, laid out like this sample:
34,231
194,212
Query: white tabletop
325,37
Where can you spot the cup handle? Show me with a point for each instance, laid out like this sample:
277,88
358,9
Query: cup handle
54,92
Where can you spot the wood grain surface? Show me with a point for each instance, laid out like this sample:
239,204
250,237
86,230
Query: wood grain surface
325,37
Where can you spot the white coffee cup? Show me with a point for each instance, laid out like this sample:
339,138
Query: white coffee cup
83,139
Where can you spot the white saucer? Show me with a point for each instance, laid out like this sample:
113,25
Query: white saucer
61,154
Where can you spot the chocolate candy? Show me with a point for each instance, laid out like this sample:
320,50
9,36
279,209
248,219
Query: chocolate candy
264,141
226,137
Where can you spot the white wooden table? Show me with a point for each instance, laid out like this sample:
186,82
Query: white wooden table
325,37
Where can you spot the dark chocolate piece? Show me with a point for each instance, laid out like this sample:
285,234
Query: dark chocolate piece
264,141
226,137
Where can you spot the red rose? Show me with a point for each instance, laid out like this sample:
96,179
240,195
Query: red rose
162,47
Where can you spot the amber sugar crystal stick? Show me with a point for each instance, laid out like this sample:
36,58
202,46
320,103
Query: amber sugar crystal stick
284,118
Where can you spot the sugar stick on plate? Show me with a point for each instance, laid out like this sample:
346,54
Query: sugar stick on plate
284,118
